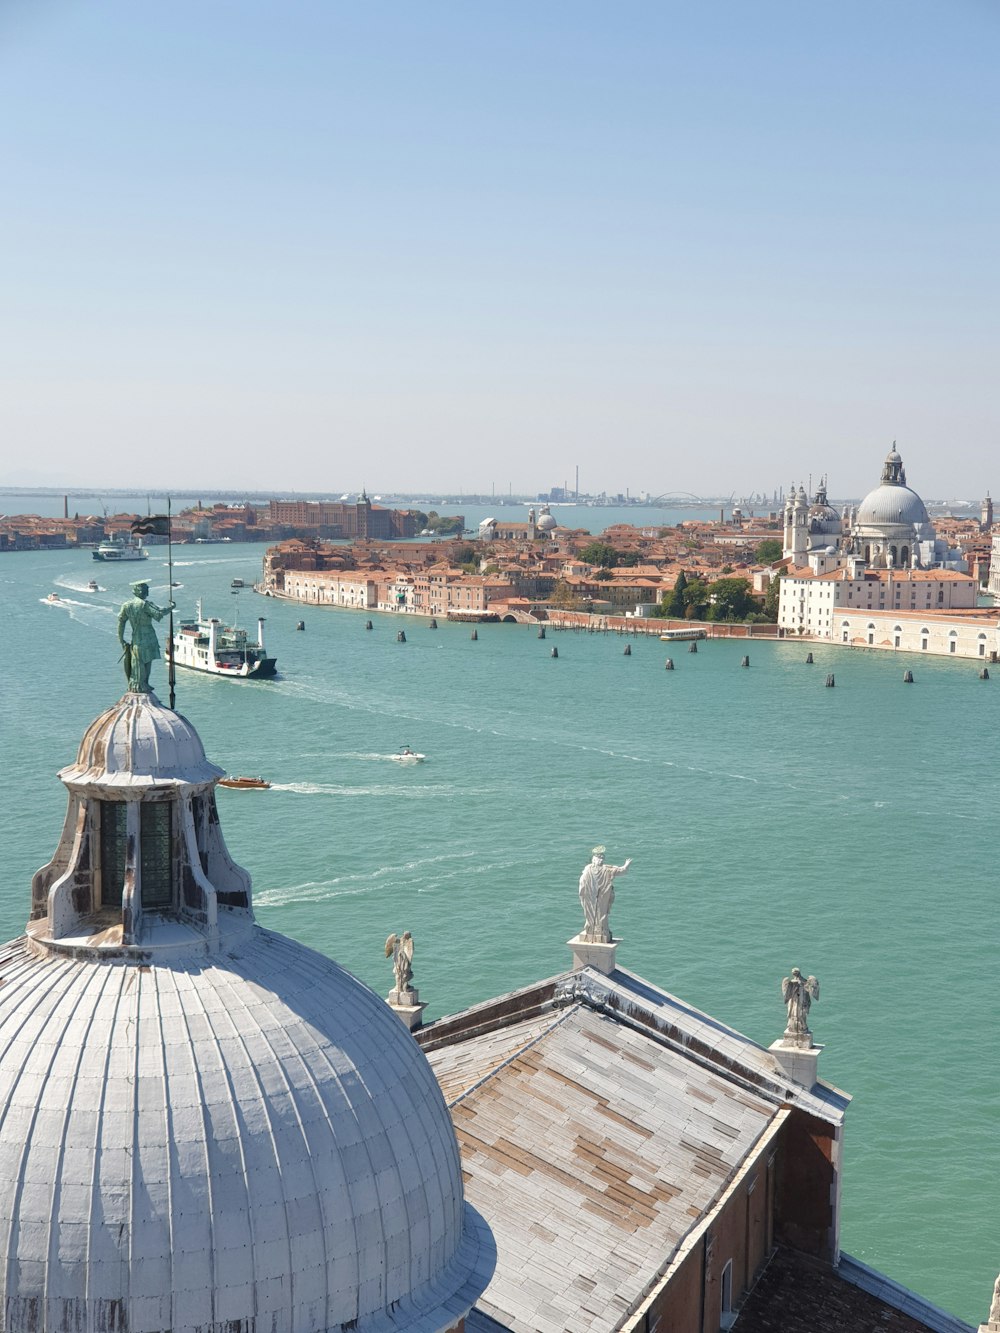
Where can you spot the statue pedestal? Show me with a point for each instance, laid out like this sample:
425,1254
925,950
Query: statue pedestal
590,953
799,1063
406,1006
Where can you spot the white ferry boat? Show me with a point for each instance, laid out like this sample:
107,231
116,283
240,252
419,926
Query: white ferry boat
682,635
118,549
221,650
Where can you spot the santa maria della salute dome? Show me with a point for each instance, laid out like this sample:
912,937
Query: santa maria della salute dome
204,1124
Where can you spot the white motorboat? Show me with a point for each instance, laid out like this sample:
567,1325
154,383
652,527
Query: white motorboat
408,756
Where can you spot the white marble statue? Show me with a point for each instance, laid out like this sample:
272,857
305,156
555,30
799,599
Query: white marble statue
798,993
994,1316
400,949
597,893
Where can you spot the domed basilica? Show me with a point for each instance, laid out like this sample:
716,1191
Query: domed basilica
890,529
206,1125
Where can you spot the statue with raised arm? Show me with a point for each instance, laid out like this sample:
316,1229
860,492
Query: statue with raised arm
798,993
400,949
597,893
142,648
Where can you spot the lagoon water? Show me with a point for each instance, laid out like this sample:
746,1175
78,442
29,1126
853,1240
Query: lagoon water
773,822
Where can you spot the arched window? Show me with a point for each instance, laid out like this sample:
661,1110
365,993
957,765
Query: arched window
904,555
727,1315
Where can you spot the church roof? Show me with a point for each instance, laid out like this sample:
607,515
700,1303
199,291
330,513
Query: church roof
797,1294
599,1120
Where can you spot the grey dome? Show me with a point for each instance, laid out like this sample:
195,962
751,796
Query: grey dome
251,1137
891,505
205,1125
139,743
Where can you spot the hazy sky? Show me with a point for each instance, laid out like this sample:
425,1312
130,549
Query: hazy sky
700,245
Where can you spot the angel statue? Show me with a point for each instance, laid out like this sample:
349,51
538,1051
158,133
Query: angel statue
400,949
597,893
798,993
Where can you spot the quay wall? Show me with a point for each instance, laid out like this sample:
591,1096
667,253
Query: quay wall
556,620
714,629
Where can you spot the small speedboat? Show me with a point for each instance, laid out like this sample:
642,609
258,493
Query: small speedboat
408,756
92,586
242,783
53,597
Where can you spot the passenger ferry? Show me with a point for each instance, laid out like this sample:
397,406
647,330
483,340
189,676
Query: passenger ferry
118,549
682,635
221,650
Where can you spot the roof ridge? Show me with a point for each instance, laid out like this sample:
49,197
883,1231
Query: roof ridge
560,1017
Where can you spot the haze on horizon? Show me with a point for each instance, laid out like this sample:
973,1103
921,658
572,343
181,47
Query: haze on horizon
687,247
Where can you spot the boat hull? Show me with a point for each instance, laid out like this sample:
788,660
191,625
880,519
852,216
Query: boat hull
262,669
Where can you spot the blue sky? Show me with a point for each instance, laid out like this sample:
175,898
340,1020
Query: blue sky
710,246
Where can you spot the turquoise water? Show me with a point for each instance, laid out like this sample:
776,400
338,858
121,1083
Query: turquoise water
772,823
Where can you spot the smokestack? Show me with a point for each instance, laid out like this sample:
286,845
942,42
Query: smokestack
65,506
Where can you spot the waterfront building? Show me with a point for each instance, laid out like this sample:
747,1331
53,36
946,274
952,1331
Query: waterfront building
811,602
341,520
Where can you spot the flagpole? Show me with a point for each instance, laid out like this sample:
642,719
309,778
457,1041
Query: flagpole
171,676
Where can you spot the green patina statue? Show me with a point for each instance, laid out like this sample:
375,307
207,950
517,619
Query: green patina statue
143,648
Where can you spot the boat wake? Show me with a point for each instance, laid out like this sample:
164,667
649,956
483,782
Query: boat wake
375,758
73,608
76,584
364,881
337,789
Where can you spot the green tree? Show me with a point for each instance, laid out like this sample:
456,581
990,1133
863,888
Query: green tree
696,599
772,597
768,551
673,602
603,576
443,525
730,599
599,553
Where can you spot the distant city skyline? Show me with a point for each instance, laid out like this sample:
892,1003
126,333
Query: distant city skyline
682,247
